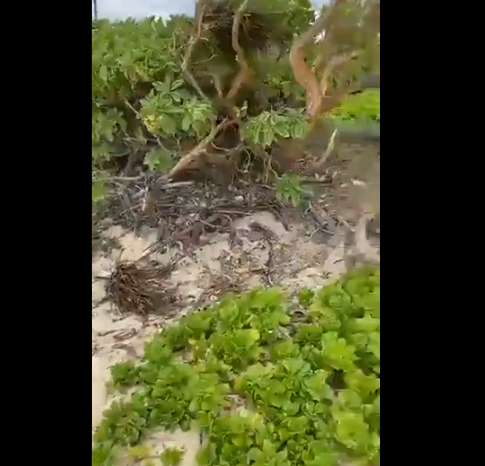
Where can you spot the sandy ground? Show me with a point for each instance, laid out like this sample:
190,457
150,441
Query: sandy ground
298,259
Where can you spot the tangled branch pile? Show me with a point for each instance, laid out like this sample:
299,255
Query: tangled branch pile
138,289
237,82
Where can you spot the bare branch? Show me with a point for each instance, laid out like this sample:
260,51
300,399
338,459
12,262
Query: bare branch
239,80
194,39
328,151
301,70
244,70
198,150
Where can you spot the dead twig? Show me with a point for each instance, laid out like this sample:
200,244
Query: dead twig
138,289
327,152
327,225
161,183
175,185
270,238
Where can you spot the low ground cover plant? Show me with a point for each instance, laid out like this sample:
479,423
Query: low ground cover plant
266,380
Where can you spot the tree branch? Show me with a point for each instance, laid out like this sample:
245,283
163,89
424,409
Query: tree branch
198,150
244,70
301,70
194,39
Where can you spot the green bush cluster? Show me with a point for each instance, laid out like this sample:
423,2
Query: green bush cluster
364,107
265,380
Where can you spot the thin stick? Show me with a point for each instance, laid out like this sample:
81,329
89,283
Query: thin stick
328,150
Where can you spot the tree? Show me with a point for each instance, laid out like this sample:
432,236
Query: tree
230,81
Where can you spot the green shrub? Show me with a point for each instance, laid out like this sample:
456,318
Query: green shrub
363,107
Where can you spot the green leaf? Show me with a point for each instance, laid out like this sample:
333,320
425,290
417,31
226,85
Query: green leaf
158,160
201,128
177,84
299,130
124,373
351,430
139,452
103,73
338,353
98,191
268,137
305,296
186,123
103,455
172,456
177,98
281,129
168,125
163,86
